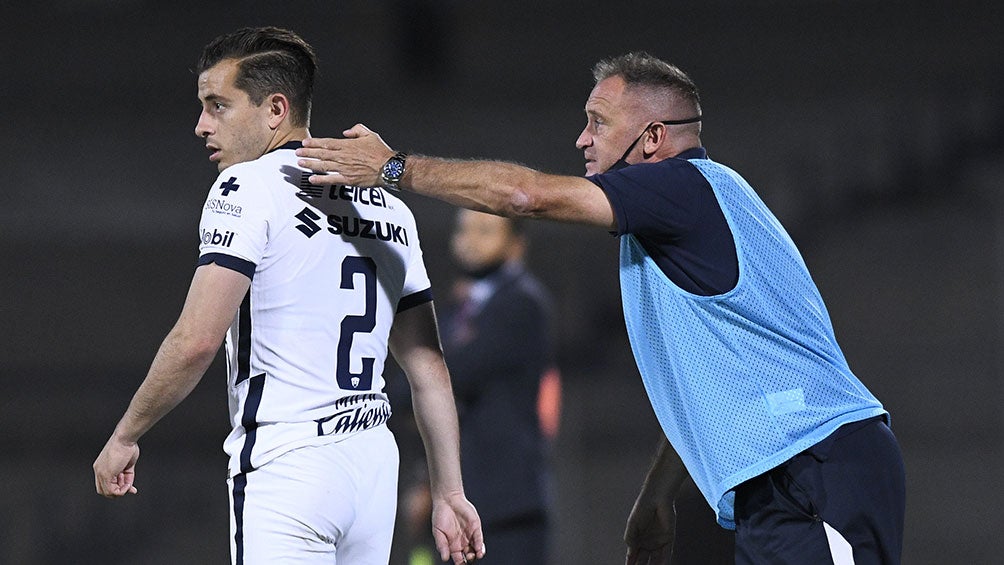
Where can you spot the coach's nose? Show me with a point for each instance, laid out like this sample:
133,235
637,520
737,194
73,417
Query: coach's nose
585,139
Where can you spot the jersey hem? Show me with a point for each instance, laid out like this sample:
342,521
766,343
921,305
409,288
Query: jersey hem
414,299
242,266
728,485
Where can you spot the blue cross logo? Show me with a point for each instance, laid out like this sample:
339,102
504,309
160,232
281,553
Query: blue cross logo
230,186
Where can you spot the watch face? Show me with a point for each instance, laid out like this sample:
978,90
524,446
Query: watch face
393,169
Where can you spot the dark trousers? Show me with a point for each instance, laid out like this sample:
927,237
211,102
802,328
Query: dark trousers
851,483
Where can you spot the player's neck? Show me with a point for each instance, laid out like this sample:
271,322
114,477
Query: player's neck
283,137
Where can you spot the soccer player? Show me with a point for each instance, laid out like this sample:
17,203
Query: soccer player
309,287
731,337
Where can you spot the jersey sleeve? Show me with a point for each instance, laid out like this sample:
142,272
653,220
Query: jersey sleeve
657,200
233,230
417,288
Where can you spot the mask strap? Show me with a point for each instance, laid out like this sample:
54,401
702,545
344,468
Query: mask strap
622,162
635,142
696,118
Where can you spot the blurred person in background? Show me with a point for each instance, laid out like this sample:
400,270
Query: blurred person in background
496,329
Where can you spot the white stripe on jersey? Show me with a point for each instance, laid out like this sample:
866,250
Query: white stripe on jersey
330,266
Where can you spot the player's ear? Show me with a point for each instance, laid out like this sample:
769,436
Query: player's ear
278,109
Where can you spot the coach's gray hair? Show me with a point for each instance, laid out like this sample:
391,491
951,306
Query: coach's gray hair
639,69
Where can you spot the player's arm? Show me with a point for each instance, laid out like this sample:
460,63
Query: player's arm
506,189
414,342
651,527
187,351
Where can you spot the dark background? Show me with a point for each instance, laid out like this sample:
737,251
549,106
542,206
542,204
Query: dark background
875,130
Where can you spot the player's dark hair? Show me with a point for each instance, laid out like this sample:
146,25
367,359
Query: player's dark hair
270,60
641,69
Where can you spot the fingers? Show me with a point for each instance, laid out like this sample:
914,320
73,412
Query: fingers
328,179
125,483
316,163
115,487
317,160
357,130
329,143
479,553
468,554
658,556
472,551
354,160
458,556
463,557
478,544
354,132
442,544
115,469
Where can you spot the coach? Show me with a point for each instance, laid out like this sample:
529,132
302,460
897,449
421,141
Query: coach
730,334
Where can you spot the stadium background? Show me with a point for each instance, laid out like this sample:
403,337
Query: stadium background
875,130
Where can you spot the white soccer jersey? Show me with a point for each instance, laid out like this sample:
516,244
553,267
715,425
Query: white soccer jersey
330,267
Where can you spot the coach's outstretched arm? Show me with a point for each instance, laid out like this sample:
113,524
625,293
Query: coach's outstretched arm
414,342
184,356
504,189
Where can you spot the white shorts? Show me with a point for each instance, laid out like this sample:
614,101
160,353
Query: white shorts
330,503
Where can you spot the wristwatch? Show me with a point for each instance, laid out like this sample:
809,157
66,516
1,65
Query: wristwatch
393,170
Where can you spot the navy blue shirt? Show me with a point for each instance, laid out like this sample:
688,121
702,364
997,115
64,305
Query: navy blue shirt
671,209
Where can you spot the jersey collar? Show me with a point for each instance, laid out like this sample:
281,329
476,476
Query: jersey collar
289,145
692,153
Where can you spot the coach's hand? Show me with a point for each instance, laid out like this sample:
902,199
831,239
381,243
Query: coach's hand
456,528
355,160
650,532
115,468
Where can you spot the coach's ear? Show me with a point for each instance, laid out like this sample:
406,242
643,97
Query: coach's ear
278,109
654,138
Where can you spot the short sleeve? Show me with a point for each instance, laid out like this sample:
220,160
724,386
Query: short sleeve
672,210
657,200
234,220
417,287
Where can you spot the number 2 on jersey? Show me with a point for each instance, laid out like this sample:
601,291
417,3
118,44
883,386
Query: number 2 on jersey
351,325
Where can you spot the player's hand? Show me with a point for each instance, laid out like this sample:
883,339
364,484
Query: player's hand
115,468
355,160
650,531
456,528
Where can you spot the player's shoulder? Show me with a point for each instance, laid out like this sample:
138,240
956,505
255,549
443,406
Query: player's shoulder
246,173
251,178
395,203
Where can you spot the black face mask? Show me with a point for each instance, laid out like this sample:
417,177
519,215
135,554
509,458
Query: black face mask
622,162
481,272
